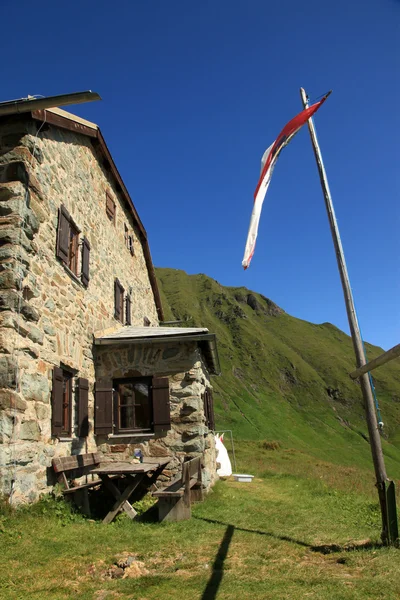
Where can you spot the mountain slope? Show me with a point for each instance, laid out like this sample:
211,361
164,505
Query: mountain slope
283,378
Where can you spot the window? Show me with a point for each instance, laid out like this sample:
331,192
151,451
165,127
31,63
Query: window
126,236
68,246
208,406
118,301
134,405
63,410
110,208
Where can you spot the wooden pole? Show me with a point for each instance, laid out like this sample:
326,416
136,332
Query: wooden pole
374,438
377,362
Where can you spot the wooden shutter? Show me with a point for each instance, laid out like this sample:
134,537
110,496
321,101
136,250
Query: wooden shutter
57,402
209,409
85,262
128,311
83,408
63,233
161,408
131,246
103,407
211,415
110,207
117,300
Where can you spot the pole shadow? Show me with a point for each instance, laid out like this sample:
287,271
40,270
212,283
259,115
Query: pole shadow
211,590
283,538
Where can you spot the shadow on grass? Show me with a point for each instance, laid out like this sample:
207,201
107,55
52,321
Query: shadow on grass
284,538
322,549
333,548
214,582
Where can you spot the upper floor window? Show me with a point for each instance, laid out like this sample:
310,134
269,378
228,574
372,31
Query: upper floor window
118,301
110,208
68,246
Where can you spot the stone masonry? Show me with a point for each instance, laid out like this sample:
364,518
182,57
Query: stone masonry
48,318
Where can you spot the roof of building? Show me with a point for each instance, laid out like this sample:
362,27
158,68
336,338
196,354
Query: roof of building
146,335
66,120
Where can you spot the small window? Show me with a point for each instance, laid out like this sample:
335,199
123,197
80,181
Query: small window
126,236
110,208
118,301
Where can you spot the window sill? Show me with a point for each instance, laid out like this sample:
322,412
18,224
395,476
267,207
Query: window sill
114,436
66,439
72,274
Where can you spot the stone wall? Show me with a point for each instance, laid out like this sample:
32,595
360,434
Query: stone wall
188,379
47,317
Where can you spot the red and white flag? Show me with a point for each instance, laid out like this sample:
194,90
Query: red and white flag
268,163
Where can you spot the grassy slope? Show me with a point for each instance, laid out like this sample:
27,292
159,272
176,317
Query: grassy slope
276,372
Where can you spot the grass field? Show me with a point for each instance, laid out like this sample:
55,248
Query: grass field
304,528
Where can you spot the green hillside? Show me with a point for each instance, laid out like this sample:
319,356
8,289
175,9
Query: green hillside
285,379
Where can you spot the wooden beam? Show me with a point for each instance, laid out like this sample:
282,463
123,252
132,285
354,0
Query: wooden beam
377,362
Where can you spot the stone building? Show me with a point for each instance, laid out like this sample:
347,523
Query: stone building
84,362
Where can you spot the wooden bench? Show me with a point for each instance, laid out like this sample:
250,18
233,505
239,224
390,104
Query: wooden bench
174,501
77,466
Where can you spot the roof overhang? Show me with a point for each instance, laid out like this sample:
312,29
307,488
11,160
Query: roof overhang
128,335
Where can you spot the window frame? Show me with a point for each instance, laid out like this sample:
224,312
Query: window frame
117,428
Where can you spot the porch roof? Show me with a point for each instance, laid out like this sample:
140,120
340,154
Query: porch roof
152,335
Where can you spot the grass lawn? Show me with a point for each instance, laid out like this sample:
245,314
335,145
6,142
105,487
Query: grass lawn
302,529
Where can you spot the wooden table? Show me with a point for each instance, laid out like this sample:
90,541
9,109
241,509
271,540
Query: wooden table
144,473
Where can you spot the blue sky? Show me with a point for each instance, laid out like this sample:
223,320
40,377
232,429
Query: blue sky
193,93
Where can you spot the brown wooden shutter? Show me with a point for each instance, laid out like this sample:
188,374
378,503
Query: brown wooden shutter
211,417
161,408
57,401
117,300
128,311
64,219
85,262
110,207
103,407
83,408
131,246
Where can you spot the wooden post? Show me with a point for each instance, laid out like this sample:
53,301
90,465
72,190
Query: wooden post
374,438
377,362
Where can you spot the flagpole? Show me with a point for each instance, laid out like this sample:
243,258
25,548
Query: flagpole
374,437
